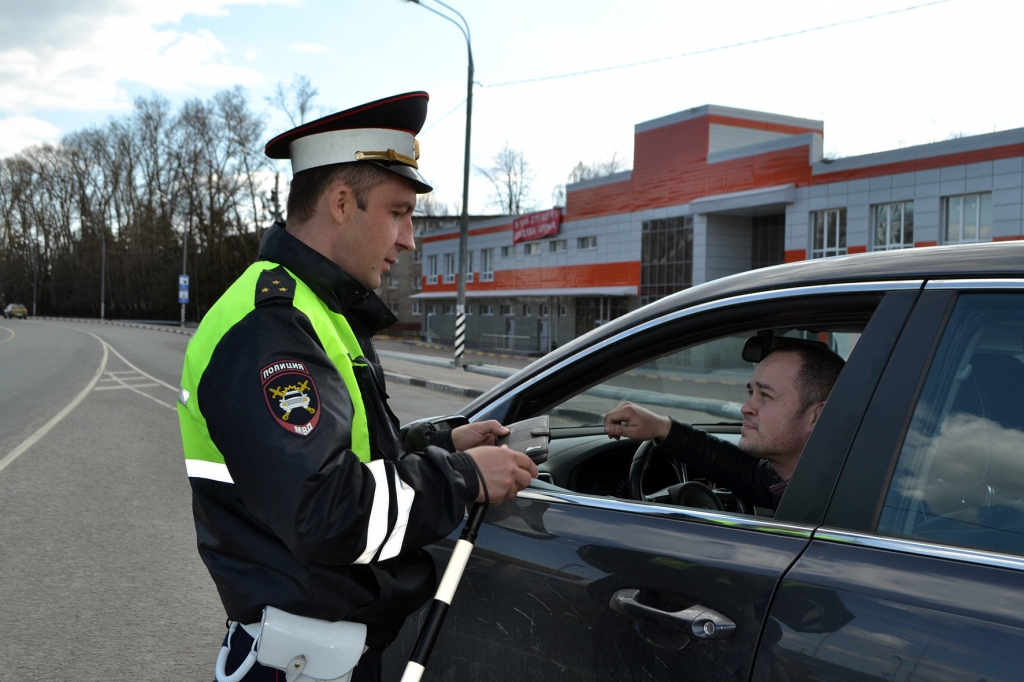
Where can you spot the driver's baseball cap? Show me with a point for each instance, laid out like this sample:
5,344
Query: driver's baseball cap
382,132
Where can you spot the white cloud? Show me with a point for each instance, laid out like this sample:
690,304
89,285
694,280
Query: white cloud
309,47
18,132
251,54
76,56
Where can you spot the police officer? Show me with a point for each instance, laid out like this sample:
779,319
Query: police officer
307,496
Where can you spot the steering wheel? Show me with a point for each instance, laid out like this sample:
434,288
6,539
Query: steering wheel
687,493
641,463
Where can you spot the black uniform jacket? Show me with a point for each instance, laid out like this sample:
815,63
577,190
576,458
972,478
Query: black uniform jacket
753,479
287,532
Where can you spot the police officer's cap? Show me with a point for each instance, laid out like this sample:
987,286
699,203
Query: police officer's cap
381,132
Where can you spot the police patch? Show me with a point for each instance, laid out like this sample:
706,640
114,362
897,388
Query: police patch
291,396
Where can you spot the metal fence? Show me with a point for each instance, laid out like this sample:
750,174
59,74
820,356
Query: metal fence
507,342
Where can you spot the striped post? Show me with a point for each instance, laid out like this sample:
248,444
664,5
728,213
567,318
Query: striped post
460,333
443,598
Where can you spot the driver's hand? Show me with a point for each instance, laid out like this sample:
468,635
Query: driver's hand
633,421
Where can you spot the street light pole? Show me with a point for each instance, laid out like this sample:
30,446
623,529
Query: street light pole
460,301
103,272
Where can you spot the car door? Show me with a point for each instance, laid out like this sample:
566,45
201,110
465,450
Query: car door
569,585
918,570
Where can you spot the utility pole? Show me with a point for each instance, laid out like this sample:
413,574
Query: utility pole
103,272
184,264
460,302
35,272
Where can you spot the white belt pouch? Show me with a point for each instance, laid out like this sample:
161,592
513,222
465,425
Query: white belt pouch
306,649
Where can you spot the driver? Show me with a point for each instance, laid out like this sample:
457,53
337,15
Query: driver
787,393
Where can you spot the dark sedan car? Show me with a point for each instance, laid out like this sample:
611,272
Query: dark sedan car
896,552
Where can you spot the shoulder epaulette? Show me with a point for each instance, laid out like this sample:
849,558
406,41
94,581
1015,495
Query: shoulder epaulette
275,287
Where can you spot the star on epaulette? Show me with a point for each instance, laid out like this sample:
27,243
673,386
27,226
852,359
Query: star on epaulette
282,289
264,290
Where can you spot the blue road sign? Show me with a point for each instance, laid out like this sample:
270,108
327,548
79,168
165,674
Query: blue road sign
182,288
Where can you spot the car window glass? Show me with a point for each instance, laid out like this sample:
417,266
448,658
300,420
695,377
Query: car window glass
959,479
703,384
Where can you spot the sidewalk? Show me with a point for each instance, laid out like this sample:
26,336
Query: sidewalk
433,376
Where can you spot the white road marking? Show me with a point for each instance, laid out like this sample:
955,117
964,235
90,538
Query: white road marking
56,419
123,383
148,376
9,337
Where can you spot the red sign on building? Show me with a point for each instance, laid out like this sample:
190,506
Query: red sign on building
536,225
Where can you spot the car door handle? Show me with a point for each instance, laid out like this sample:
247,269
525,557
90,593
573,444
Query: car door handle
697,621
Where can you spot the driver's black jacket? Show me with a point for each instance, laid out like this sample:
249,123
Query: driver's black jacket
291,526
753,479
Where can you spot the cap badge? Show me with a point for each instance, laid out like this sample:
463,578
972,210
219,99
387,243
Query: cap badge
391,156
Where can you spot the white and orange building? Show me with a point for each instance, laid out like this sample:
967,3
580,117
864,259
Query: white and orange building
715,191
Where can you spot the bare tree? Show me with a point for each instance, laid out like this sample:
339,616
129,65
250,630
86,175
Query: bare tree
429,205
583,171
510,177
296,101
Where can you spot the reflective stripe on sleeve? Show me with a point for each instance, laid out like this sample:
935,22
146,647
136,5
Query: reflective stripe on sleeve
404,497
377,527
200,468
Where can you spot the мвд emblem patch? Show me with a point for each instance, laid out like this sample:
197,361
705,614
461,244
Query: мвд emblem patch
291,396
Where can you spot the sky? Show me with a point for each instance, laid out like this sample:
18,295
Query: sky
923,71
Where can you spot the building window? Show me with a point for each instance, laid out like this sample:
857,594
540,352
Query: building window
448,309
469,310
417,308
508,310
393,305
417,256
417,284
487,310
594,311
431,310
586,243
829,233
968,219
768,245
527,310
449,268
487,265
431,269
563,311
666,260
558,246
893,225
544,310
532,249
508,251
392,282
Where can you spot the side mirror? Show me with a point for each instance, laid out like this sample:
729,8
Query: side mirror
415,433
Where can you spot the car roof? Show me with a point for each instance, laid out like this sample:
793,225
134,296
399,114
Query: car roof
983,261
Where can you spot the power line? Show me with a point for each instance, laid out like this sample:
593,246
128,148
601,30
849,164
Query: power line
720,48
454,109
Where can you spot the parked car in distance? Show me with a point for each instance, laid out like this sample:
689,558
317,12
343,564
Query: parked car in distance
897,551
15,310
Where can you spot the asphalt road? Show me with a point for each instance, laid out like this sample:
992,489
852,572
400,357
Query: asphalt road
99,575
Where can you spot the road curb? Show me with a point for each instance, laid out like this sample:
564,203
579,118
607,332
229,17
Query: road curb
433,385
397,378
115,323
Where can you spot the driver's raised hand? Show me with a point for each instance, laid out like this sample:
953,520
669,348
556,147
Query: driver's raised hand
633,421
